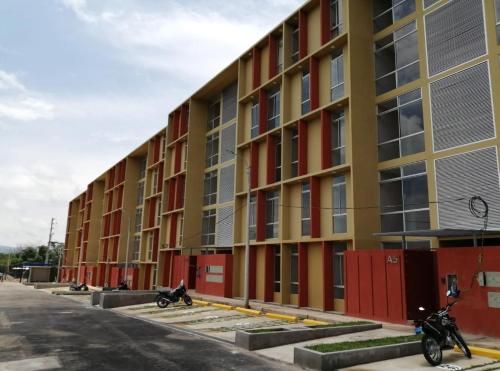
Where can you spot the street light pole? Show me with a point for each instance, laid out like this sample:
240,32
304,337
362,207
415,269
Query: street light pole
61,250
50,241
126,251
247,246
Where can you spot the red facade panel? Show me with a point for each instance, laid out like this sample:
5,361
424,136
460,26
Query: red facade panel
256,63
179,193
314,85
273,56
176,125
178,157
302,129
173,231
171,194
184,119
324,6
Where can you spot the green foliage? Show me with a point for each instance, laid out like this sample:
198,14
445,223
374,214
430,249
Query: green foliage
336,347
31,254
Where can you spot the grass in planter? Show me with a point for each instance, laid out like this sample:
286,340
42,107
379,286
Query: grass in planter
261,330
349,345
341,324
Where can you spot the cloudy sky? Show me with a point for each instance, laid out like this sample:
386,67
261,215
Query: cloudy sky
83,82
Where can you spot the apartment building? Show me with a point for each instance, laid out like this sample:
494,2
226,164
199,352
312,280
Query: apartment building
348,119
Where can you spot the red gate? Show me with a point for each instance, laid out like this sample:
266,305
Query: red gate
214,275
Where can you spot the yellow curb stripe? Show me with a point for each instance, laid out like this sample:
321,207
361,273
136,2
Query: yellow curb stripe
485,352
222,306
251,312
200,302
312,322
283,317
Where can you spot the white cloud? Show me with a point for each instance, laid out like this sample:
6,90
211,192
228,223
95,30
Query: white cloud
10,81
27,109
79,7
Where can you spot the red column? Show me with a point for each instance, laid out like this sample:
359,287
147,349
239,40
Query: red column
184,119
178,157
271,159
167,256
273,56
175,129
147,277
262,111
152,212
324,6
252,292
254,165
261,216
303,272
326,250
256,67
326,129
173,230
314,85
315,207
302,128
156,145
302,34
179,192
269,273
171,194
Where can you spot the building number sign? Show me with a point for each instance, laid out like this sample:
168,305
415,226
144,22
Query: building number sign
392,259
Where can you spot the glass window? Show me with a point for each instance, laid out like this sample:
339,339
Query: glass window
136,250
154,181
277,143
280,58
396,59
181,230
295,44
294,270
138,220
400,126
272,214
295,153
149,252
210,188
339,200
213,116
497,8
386,12
338,138
140,193
337,77
142,168
277,268
306,209
336,17
252,225
404,201
338,269
254,130
163,146
208,227
305,103
212,150
273,109
158,211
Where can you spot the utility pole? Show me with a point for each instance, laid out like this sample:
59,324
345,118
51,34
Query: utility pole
247,246
50,241
61,250
126,253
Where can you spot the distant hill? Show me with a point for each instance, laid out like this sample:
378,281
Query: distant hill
6,249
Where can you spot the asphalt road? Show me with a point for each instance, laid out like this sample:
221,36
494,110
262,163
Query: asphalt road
39,331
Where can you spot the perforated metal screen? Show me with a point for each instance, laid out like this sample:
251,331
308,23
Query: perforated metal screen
225,226
461,108
228,143
454,34
463,176
226,184
229,99
428,3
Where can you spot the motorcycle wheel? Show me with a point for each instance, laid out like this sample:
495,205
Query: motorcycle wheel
432,350
457,338
85,288
188,300
162,302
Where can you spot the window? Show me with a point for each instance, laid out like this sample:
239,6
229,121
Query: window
213,116
338,269
208,227
386,12
400,126
163,146
336,17
154,181
149,252
497,8
138,220
142,168
294,270
277,268
158,212
404,201
254,130
136,250
155,273
140,193
337,76
339,200
295,44
305,103
273,109
280,59
272,214
181,230
306,209
338,138
277,143
295,153
185,155
252,224
210,188
212,150
396,59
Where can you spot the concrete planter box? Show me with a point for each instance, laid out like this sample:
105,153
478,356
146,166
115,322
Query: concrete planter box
50,285
114,299
254,341
312,359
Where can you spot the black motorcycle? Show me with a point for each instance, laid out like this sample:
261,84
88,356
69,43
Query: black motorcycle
75,287
440,332
165,297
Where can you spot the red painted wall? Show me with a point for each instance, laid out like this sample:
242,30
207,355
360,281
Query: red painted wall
180,271
223,288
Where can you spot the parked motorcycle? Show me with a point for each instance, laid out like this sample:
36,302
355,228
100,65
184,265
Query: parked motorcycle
440,332
165,297
75,287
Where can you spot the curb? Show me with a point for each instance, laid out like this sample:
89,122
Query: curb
251,312
283,317
312,322
201,302
485,352
221,306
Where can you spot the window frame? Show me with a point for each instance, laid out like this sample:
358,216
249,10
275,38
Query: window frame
272,221
136,248
280,56
294,153
154,181
338,140
210,183
158,211
294,45
274,101
337,70
255,115
150,247
337,24
338,254
138,220
208,221
339,212
391,9
213,120
139,200
278,159
277,268
294,255
497,19
305,93
212,150
252,224
305,209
